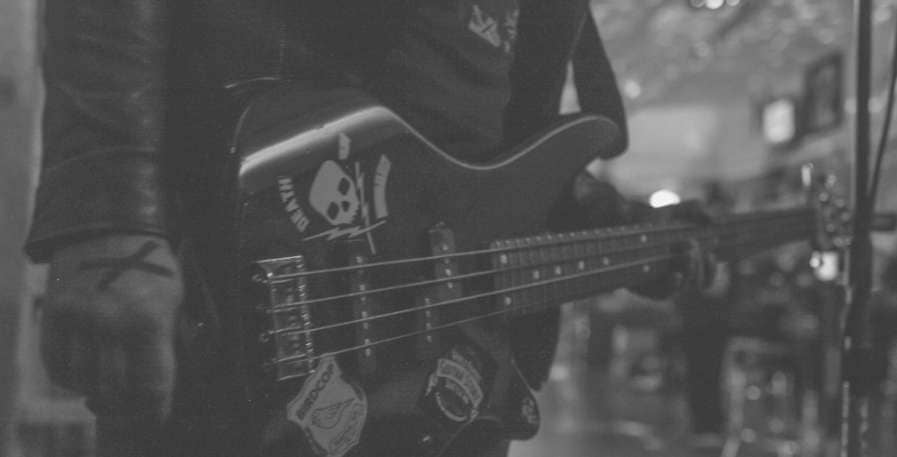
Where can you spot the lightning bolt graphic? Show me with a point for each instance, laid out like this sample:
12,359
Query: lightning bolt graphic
350,232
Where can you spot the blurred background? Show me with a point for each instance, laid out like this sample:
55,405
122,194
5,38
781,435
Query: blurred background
726,100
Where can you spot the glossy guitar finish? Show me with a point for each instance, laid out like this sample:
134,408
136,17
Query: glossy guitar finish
363,282
334,178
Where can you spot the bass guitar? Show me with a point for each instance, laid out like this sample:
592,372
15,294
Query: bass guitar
361,285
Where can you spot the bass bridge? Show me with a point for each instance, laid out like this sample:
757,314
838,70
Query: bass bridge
286,334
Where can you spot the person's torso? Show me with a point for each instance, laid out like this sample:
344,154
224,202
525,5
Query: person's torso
441,64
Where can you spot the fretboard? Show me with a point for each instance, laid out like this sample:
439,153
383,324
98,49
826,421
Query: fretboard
545,270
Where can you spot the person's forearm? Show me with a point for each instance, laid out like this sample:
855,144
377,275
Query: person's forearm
105,76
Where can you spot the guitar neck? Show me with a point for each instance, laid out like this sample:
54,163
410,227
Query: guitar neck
550,269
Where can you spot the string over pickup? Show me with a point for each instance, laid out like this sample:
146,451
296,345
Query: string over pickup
287,318
432,316
365,307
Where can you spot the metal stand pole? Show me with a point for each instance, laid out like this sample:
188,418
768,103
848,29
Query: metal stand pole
857,343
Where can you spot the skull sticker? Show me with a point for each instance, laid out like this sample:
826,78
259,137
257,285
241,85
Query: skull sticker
334,195
349,194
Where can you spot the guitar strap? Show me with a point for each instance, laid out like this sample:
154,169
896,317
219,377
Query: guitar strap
596,85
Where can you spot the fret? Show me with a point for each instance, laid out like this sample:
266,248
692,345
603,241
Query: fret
523,275
543,269
501,261
580,263
561,258
517,275
579,255
533,273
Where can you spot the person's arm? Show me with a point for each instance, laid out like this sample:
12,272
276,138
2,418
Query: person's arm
100,217
105,72
551,36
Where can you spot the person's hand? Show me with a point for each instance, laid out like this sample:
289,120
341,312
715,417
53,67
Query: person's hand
109,323
696,269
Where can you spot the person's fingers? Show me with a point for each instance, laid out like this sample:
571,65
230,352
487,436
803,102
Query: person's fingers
82,362
127,436
132,397
107,395
54,348
151,377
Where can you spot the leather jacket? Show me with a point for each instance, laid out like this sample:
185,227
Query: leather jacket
114,69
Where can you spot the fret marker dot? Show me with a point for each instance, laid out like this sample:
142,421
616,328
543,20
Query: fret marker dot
646,268
558,271
450,285
581,265
644,238
605,261
503,259
536,274
508,301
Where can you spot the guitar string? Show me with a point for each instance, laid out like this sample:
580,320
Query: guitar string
428,330
454,323
291,306
470,298
435,328
544,283
593,235
601,234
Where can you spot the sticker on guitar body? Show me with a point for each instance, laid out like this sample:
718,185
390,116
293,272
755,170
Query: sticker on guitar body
330,410
455,387
339,194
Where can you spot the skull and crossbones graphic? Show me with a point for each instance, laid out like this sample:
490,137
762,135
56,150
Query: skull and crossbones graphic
334,195
337,193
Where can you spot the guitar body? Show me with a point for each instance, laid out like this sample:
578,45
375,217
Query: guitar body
332,180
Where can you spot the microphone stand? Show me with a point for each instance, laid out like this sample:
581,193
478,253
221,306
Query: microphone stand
857,340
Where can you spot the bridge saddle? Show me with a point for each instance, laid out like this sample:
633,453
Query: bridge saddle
288,318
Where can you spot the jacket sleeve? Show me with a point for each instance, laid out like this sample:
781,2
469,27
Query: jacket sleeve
551,36
596,83
104,72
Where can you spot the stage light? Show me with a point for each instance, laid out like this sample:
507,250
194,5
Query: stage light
826,265
779,122
632,88
711,4
664,197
